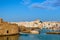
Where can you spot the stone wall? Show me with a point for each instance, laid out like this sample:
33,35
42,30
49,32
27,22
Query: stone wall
8,28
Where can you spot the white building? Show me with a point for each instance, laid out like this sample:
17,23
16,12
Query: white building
35,23
51,25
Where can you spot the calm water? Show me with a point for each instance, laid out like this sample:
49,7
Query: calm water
42,36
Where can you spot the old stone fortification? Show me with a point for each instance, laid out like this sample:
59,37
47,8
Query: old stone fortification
8,28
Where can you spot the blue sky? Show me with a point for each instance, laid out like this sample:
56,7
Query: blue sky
28,10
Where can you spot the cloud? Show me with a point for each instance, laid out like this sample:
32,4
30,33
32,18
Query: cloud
53,3
48,4
57,3
38,5
25,2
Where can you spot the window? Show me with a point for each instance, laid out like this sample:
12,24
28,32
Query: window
49,24
56,24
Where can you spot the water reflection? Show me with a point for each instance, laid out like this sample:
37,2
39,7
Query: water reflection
31,37
13,37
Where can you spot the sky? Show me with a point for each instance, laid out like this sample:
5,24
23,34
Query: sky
29,10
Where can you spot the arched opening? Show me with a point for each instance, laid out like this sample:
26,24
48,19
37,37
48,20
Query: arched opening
56,24
7,31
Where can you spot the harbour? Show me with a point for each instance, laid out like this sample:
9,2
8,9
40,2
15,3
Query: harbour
29,19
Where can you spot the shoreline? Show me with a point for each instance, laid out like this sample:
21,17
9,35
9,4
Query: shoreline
53,33
10,34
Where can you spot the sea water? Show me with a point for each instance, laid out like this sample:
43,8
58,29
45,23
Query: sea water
41,36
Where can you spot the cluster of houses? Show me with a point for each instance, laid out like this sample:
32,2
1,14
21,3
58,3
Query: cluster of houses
51,25
38,24
31,24
7,28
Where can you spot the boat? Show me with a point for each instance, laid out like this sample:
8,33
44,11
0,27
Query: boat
23,34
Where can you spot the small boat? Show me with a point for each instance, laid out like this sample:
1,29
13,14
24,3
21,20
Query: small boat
23,34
